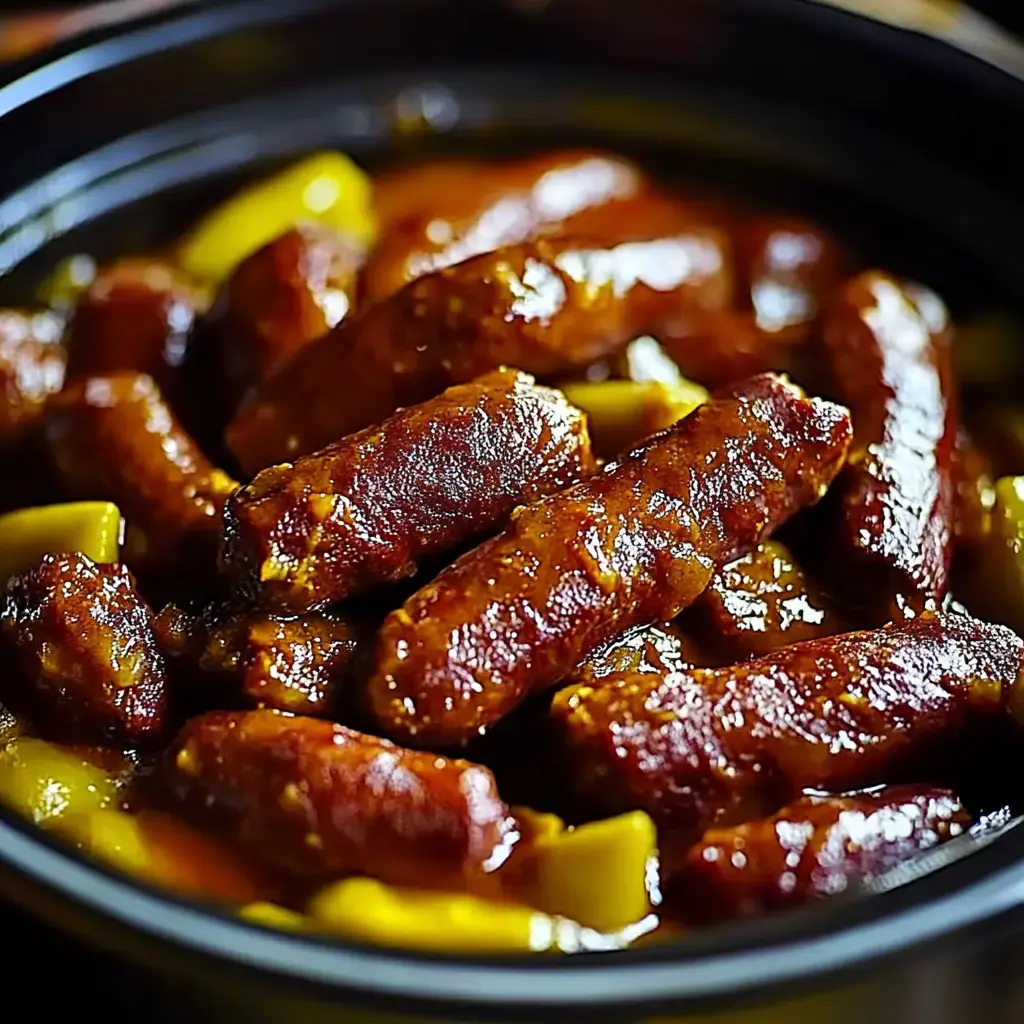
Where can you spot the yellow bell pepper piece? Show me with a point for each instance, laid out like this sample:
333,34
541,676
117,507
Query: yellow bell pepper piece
44,782
621,413
996,587
272,916
597,874
362,908
94,528
66,283
327,188
536,824
987,349
111,836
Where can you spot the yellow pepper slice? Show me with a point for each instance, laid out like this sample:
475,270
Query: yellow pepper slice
996,589
68,280
597,873
272,916
92,527
45,783
326,187
362,908
621,413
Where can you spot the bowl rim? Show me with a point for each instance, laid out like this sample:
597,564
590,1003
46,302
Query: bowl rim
722,964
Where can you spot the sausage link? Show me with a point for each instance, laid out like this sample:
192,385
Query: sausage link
137,315
81,653
546,307
631,546
764,601
369,508
811,849
719,746
659,649
31,369
441,214
889,349
114,438
317,799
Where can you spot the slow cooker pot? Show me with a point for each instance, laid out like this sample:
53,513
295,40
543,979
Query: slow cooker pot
902,139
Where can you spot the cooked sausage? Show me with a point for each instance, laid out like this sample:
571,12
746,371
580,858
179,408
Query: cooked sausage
81,660
31,369
544,307
710,747
137,315
889,349
303,665
811,849
282,297
440,214
367,509
630,546
114,438
317,799
764,601
661,648
785,270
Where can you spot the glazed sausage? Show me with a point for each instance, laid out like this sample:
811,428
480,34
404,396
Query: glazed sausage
368,509
785,270
811,849
279,299
544,306
114,438
441,214
889,349
633,545
303,665
711,747
764,601
31,369
317,799
137,315
81,657
659,649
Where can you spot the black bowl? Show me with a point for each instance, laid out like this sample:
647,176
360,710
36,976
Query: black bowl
905,142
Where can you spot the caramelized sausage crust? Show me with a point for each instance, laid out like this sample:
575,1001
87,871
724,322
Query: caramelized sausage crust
81,654
719,746
31,368
632,545
318,799
545,307
369,508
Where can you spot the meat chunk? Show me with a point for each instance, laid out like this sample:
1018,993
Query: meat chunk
811,849
317,799
890,356
709,747
661,648
630,546
545,307
114,438
303,665
440,214
279,299
764,601
81,655
369,508
136,315
31,369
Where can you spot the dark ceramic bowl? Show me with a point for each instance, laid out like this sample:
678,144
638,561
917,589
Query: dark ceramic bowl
906,143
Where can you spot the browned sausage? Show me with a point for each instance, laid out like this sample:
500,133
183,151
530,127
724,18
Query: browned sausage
114,438
631,546
785,271
764,601
303,665
282,297
811,849
318,799
31,368
433,477
661,648
443,213
719,746
137,315
81,657
545,307
889,349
